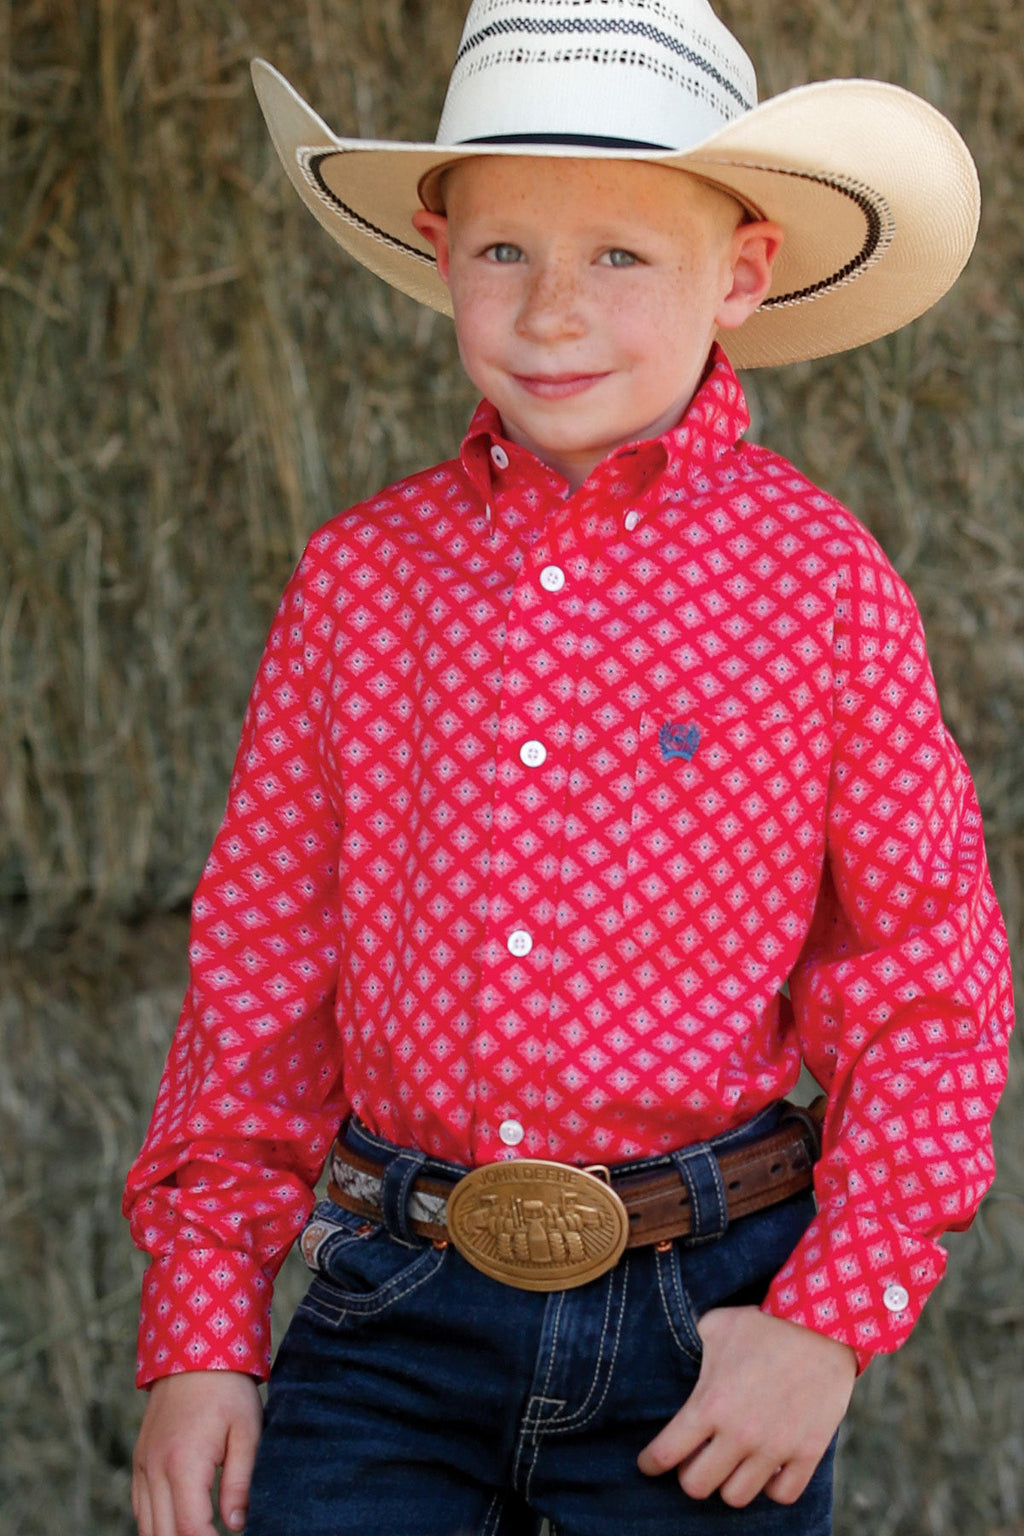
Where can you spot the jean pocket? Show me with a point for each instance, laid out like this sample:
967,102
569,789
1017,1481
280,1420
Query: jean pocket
359,1270
677,1305
733,1271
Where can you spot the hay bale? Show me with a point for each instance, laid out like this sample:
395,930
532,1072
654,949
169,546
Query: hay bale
193,378
192,383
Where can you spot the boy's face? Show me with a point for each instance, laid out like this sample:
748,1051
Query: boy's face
587,293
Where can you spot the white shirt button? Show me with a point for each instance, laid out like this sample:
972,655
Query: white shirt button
631,519
896,1298
519,942
511,1132
552,578
533,753
499,458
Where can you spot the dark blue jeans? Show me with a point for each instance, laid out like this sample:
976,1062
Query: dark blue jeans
413,1396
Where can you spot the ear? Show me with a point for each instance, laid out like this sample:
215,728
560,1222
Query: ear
434,228
752,253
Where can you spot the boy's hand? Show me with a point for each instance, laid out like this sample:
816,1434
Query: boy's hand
193,1424
768,1400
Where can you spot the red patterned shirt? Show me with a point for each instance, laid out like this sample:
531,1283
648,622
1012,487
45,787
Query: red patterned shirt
540,801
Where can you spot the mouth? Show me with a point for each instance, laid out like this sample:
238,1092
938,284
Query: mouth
557,386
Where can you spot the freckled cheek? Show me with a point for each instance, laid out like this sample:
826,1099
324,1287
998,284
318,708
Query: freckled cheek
482,315
639,325
483,340
695,285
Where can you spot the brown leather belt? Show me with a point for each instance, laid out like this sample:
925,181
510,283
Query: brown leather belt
546,1226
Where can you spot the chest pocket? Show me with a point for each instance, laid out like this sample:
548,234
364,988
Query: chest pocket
691,788
692,844
728,812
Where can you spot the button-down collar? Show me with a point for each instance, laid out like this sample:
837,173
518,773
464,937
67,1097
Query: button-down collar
635,476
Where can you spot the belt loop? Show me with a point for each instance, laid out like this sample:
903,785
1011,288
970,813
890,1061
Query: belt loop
699,1170
396,1182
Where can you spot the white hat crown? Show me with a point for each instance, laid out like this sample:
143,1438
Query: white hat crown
644,74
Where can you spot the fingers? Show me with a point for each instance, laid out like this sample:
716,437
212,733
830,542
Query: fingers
158,1514
180,1510
236,1475
141,1506
723,1464
790,1481
676,1445
768,1400
171,1506
738,1475
709,1463
193,1424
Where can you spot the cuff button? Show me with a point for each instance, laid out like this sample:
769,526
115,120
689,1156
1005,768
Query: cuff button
896,1298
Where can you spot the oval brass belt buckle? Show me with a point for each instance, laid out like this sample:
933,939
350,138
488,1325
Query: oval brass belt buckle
537,1225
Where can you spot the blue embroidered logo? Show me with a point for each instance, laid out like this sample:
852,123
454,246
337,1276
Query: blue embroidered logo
679,738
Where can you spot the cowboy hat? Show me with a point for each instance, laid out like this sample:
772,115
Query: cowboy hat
875,190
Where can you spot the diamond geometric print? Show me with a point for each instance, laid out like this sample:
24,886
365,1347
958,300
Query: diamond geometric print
538,807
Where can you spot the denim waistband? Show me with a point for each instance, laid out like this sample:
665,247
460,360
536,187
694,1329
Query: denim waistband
356,1136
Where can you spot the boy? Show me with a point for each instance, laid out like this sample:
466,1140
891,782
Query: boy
564,757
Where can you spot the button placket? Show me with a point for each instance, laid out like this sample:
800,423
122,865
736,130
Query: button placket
536,698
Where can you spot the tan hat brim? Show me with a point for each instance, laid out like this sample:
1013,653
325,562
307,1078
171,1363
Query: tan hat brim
875,190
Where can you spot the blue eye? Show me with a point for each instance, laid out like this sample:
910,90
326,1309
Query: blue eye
619,258
504,253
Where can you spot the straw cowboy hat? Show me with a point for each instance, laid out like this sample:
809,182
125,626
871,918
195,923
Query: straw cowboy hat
876,191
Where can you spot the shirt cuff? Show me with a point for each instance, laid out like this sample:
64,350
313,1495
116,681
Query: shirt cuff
204,1309
857,1279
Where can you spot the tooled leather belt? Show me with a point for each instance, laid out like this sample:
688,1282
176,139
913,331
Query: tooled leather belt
549,1226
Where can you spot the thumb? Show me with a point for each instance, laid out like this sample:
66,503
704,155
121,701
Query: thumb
236,1473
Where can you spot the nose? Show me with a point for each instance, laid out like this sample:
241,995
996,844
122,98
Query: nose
552,305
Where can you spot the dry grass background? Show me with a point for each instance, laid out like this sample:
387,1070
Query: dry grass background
191,380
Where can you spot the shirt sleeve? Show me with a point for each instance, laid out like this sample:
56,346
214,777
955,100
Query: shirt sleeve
902,997
251,1094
